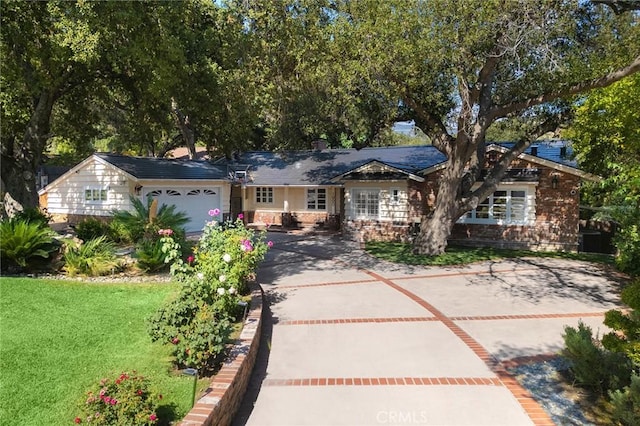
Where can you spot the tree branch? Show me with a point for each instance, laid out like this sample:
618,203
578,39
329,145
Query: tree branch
498,171
504,110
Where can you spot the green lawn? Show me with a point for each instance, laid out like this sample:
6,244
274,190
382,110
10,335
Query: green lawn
402,253
58,338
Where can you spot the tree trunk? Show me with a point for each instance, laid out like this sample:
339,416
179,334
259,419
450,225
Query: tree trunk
436,228
21,162
186,129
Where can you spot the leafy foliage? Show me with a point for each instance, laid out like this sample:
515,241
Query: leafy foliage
194,324
24,243
625,337
606,139
626,403
593,366
93,258
198,322
124,401
91,228
34,215
141,224
151,256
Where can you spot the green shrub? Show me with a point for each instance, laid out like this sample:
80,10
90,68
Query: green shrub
196,323
231,251
91,228
118,233
627,241
126,401
34,215
94,257
625,337
593,366
139,223
24,244
150,256
626,403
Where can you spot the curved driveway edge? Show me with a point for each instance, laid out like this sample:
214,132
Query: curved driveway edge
357,341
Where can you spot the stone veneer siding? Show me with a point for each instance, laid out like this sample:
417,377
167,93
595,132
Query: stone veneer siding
223,397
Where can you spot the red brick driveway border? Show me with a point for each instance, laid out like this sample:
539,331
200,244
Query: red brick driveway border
221,400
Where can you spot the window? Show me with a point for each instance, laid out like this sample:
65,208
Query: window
317,199
264,195
95,194
366,203
394,195
505,206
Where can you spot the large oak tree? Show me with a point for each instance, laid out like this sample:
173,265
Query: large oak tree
462,66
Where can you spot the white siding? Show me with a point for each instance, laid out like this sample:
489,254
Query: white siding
68,196
389,209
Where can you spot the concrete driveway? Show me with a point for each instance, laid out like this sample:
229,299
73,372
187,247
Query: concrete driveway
350,340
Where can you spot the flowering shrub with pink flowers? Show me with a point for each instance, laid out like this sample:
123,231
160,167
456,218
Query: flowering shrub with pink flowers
125,400
197,323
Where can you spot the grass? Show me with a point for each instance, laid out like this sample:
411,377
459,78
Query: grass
58,338
402,253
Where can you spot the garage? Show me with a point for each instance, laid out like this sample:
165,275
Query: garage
195,202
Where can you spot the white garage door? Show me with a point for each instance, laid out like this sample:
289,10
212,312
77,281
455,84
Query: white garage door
195,202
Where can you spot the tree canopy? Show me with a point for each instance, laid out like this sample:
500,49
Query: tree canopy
141,77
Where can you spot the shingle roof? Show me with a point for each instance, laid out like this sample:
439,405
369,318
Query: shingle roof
319,167
163,168
309,167
550,150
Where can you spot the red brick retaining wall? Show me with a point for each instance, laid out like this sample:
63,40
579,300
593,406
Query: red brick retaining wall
223,397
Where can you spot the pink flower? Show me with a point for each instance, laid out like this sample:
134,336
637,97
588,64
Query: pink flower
214,212
240,216
165,232
190,259
77,420
153,417
107,399
114,401
269,244
246,245
175,340
139,392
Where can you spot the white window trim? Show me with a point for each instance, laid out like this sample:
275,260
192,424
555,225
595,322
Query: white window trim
315,201
99,190
398,201
267,195
354,212
529,208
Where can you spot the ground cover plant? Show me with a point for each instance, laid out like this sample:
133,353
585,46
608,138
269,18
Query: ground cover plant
456,255
61,338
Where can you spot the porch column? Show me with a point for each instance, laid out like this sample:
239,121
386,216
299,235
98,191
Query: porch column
286,199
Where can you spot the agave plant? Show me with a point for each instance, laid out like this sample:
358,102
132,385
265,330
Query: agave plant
22,243
141,224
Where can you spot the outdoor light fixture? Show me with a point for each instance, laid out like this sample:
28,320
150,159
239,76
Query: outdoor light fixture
244,305
192,372
138,188
554,181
